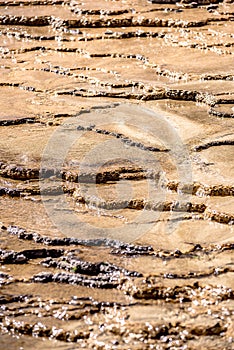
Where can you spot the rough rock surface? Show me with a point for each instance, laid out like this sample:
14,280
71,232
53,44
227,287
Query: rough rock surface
164,279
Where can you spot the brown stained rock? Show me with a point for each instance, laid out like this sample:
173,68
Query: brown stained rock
60,62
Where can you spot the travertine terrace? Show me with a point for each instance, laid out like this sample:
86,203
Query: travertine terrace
153,288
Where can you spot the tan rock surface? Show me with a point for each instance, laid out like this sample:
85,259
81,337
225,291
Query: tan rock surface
116,174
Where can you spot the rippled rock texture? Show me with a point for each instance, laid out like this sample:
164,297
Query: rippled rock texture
126,253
